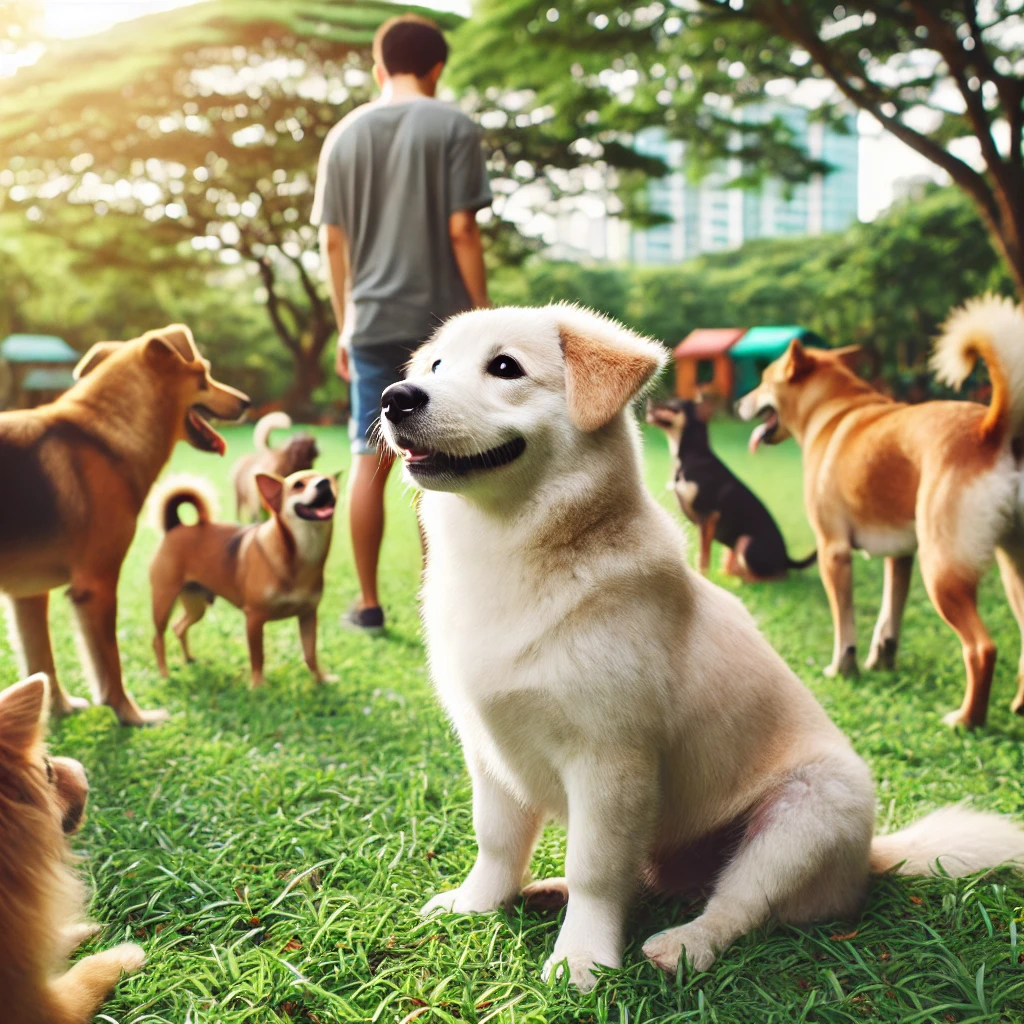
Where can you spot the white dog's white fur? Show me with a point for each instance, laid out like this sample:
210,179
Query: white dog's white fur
593,677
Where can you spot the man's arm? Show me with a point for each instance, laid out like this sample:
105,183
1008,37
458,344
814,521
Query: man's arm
334,250
469,255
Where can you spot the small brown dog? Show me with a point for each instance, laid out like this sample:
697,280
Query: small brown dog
298,453
940,479
75,475
271,571
42,800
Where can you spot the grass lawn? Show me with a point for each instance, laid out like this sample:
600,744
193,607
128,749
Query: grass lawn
271,849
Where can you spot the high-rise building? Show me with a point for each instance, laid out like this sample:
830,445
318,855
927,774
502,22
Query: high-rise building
706,216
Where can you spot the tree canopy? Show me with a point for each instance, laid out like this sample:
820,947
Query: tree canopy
851,288
177,152
854,287
201,126
944,76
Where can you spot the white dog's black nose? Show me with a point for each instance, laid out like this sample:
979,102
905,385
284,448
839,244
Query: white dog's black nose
402,400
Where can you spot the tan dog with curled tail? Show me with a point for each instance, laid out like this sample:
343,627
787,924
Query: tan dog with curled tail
940,480
271,571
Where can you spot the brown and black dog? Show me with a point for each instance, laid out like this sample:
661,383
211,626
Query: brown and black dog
297,453
271,571
42,800
940,479
75,474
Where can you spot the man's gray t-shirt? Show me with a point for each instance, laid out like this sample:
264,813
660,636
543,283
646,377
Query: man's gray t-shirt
390,176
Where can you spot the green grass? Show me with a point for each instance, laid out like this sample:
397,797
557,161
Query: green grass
271,850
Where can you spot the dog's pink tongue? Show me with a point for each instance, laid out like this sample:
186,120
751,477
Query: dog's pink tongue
756,437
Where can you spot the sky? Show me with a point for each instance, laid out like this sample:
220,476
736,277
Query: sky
883,159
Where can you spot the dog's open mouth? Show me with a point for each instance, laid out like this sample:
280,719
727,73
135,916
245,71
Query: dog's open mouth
764,432
319,509
200,434
72,819
660,418
430,462
660,414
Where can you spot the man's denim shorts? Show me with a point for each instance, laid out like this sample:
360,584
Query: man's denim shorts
373,368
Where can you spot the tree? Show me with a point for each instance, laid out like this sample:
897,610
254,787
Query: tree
561,88
112,283
932,72
203,126
958,62
852,287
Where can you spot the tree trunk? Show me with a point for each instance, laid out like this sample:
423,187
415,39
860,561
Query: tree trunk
307,377
1009,234
1015,262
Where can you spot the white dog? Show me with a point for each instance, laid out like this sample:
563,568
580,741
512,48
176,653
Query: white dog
593,677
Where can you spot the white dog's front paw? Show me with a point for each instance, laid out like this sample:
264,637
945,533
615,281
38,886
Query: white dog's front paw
665,949
580,966
459,901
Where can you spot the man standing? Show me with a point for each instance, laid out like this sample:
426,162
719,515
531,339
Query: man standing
398,187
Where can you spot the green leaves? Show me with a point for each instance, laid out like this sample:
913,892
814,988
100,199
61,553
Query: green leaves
850,288
594,72
195,132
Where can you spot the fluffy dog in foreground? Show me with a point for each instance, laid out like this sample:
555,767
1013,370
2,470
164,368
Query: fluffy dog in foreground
41,801
271,571
594,677
941,479
75,474
297,453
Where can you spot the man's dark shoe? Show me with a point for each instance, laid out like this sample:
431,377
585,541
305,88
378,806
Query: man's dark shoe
364,620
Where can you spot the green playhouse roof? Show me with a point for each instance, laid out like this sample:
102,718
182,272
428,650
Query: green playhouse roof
37,348
771,342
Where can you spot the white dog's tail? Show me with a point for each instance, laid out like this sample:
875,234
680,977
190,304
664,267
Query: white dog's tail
266,425
989,328
953,840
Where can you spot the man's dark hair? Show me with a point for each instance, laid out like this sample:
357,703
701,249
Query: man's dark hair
409,45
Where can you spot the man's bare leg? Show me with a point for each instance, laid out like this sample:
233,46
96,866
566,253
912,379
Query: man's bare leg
366,519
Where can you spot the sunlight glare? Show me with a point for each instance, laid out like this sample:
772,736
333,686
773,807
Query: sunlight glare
66,18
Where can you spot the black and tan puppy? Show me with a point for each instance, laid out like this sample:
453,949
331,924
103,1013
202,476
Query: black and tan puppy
297,453
74,475
718,503
42,801
271,571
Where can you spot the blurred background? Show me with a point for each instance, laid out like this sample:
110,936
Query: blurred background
846,170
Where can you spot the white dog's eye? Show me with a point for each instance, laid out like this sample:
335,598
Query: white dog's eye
436,364
505,367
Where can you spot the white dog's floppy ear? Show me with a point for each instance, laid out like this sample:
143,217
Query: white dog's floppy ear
605,365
